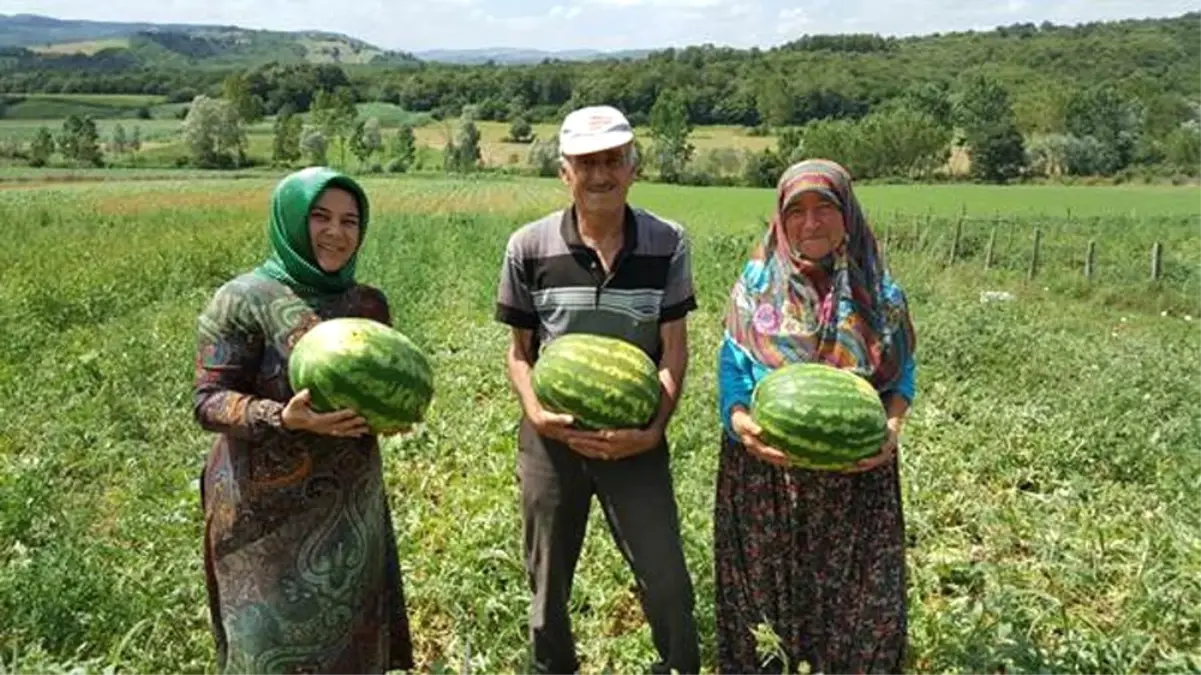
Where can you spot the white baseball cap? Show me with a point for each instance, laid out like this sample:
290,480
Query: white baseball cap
593,129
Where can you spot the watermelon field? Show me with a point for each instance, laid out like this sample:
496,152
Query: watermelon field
1051,465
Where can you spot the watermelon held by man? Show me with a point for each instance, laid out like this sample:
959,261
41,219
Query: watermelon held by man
602,382
821,416
366,366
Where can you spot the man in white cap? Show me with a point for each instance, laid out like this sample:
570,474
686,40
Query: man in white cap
600,266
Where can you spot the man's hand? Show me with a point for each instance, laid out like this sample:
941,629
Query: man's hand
613,444
555,426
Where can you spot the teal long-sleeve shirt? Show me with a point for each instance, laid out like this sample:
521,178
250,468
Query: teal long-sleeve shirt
738,372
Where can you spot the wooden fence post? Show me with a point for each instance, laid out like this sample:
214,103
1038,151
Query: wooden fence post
988,250
958,236
1156,261
1090,260
1038,237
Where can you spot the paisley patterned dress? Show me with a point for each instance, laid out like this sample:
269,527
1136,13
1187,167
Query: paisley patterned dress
300,555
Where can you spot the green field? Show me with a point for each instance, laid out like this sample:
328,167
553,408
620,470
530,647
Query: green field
82,47
1050,467
50,109
22,121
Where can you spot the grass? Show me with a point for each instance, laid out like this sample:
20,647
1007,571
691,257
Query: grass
50,109
1050,465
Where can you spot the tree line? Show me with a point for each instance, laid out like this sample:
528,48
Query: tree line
1096,99
815,77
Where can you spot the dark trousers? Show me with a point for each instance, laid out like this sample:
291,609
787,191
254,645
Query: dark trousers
639,504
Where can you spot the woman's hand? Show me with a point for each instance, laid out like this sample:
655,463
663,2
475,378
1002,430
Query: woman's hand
888,449
298,415
748,432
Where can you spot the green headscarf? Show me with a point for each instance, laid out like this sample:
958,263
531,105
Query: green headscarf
292,261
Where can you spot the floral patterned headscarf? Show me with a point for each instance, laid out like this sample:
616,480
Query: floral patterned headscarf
845,310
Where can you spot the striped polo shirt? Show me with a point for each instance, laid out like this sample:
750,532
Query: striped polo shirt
551,282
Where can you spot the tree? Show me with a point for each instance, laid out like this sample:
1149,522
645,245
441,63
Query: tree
314,145
983,110
285,148
462,153
774,102
79,140
670,129
336,115
404,149
1102,113
213,134
520,131
236,89
118,143
981,102
366,140
932,99
41,148
1183,148
998,152
544,157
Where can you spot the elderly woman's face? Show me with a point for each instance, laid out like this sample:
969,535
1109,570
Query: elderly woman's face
814,225
334,228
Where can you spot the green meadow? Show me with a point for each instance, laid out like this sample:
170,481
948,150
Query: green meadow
1050,466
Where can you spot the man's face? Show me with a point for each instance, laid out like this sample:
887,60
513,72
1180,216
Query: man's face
599,181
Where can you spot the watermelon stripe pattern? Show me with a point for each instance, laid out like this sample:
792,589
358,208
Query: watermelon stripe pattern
821,416
366,366
603,382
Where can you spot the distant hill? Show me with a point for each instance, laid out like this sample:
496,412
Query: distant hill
32,30
47,38
32,41
514,56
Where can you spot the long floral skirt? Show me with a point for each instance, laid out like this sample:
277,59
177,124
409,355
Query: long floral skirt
816,556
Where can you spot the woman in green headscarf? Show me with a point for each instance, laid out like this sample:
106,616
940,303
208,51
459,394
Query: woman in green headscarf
299,551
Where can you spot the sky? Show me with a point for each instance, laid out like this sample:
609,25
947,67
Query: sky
416,25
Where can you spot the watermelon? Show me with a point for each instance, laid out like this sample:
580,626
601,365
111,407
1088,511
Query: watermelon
821,416
366,366
602,382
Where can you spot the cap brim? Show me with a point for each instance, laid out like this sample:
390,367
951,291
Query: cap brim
586,145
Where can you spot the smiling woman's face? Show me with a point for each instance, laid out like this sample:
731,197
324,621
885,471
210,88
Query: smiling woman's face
814,225
334,228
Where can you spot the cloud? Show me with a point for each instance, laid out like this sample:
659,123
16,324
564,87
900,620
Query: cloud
791,20
668,4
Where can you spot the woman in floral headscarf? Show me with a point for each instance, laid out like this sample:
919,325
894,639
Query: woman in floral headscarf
817,556
299,553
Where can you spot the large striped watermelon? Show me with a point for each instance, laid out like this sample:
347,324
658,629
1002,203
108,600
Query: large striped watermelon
821,416
366,366
603,382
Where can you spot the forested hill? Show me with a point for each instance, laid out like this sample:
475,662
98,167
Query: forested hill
1157,61
831,76
32,42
